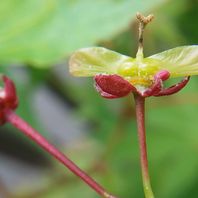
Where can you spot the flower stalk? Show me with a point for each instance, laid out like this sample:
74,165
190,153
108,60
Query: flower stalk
140,110
30,132
140,117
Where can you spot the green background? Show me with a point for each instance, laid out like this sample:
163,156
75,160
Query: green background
36,39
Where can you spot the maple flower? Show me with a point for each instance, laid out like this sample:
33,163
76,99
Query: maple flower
117,75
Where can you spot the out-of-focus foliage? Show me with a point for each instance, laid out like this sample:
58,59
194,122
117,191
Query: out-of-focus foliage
43,32
171,121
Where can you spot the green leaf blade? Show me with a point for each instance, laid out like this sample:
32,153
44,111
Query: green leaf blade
42,33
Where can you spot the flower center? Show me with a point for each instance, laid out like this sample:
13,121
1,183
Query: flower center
139,73
140,81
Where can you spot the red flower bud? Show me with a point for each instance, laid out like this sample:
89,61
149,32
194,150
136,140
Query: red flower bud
112,86
8,97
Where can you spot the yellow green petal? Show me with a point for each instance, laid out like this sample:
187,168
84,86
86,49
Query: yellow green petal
179,61
96,60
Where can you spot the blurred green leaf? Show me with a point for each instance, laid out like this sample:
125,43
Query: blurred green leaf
60,182
42,33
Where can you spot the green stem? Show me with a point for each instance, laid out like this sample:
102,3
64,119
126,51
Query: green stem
140,116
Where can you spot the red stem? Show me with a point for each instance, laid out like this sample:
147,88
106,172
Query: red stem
140,116
25,128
